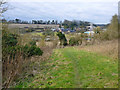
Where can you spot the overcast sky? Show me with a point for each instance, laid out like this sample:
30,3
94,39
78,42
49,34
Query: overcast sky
96,11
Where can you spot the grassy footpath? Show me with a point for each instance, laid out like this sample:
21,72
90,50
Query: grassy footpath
74,68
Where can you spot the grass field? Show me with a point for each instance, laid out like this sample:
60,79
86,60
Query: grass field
72,67
40,34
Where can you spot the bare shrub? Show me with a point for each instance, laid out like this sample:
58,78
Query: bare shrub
108,48
11,67
111,32
14,56
55,43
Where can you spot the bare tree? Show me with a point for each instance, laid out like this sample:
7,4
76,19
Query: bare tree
3,6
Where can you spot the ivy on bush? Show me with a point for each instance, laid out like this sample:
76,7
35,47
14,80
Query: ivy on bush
10,47
62,38
32,50
9,39
33,43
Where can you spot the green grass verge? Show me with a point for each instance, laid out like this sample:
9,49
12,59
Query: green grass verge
74,68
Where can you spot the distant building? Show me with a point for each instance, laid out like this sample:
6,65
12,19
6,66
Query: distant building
91,27
90,33
66,30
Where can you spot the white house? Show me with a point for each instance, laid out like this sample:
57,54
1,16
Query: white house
91,27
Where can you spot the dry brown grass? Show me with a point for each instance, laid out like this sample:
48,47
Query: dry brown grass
108,48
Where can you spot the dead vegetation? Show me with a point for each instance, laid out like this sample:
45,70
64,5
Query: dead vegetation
108,48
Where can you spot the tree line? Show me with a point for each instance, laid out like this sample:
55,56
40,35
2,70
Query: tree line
75,23
19,21
65,23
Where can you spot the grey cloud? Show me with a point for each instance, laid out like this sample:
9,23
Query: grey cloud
97,12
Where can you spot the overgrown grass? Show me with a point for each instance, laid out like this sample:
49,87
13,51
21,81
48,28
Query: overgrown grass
107,48
75,68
